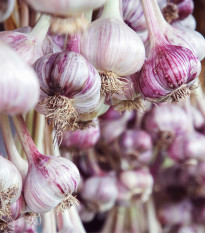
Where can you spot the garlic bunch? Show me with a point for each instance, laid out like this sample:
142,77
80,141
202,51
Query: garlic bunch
50,180
64,7
17,81
82,139
6,9
170,70
28,45
70,87
10,186
105,44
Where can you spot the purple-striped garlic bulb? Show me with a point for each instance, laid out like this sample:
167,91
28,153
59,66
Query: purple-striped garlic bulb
16,82
136,145
165,121
100,192
130,99
70,89
177,10
170,70
81,139
50,180
29,45
188,22
134,185
180,35
6,8
105,44
189,146
10,186
175,213
133,15
65,7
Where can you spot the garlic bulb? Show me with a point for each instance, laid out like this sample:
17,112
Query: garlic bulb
170,71
82,139
6,9
70,87
165,121
106,42
28,45
10,186
134,185
188,22
64,7
50,180
187,147
133,15
100,192
17,81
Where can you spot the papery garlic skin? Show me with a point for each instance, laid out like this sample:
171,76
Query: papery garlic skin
17,81
105,45
10,182
50,180
82,139
71,75
65,7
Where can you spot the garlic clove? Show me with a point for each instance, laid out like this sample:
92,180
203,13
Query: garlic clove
15,94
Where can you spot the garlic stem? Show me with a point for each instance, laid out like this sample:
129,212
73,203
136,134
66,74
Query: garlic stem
155,33
11,149
39,131
41,28
25,138
88,15
112,9
76,220
120,220
93,162
49,223
64,222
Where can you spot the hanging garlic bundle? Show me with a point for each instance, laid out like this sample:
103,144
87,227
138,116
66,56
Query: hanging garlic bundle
105,44
10,186
179,35
170,71
81,139
16,82
70,87
50,180
28,45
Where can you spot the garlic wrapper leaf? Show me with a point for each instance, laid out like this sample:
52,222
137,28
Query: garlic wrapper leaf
16,82
6,8
181,36
106,42
82,139
10,186
70,86
170,71
28,45
64,7
50,180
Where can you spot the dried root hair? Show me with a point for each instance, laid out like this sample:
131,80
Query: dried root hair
129,105
67,204
170,12
69,25
61,113
165,138
111,84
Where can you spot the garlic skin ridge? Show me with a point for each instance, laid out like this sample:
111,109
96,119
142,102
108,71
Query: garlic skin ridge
49,184
17,81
